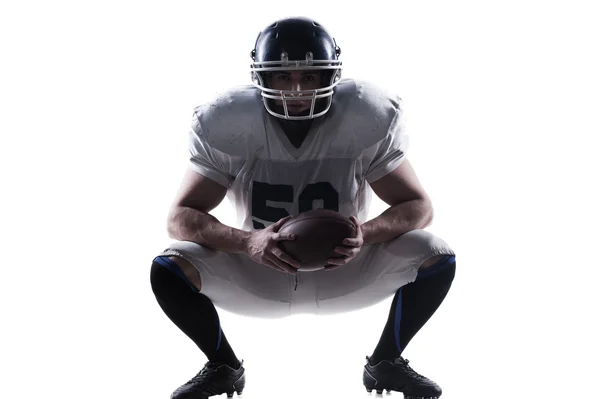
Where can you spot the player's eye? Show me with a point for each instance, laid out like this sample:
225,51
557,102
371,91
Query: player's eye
282,78
309,78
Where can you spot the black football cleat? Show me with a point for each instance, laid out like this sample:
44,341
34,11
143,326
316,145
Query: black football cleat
214,379
400,377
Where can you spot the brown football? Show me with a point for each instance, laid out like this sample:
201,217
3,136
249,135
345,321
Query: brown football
317,233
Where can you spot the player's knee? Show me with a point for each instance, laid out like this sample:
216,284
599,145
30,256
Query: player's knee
182,268
431,261
436,264
189,271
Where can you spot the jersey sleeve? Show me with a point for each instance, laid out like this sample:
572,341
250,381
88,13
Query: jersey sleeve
391,149
207,160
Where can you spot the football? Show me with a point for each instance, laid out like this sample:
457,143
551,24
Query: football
317,233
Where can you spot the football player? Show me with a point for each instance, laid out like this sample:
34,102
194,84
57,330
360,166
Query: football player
300,137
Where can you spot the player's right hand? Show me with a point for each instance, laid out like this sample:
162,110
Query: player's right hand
262,247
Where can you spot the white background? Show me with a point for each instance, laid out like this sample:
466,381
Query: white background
96,98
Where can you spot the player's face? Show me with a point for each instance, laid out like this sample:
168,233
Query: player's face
295,80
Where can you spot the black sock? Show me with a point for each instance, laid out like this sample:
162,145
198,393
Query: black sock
192,312
412,307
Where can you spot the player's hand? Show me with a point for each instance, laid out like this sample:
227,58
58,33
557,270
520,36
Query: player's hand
350,248
262,247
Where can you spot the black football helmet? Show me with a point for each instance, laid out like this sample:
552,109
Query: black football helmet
296,44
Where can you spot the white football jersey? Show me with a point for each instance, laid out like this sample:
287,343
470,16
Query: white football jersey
235,142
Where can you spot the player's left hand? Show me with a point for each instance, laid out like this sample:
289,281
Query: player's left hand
349,250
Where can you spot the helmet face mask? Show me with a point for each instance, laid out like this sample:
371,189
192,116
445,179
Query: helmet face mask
295,47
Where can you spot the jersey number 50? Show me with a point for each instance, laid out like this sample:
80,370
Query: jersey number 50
264,192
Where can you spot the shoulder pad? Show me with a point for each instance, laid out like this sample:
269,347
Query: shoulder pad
231,121
368,113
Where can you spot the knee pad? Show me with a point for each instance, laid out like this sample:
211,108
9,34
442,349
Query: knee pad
164,262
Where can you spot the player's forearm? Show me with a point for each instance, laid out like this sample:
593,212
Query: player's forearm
397,220
188,224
